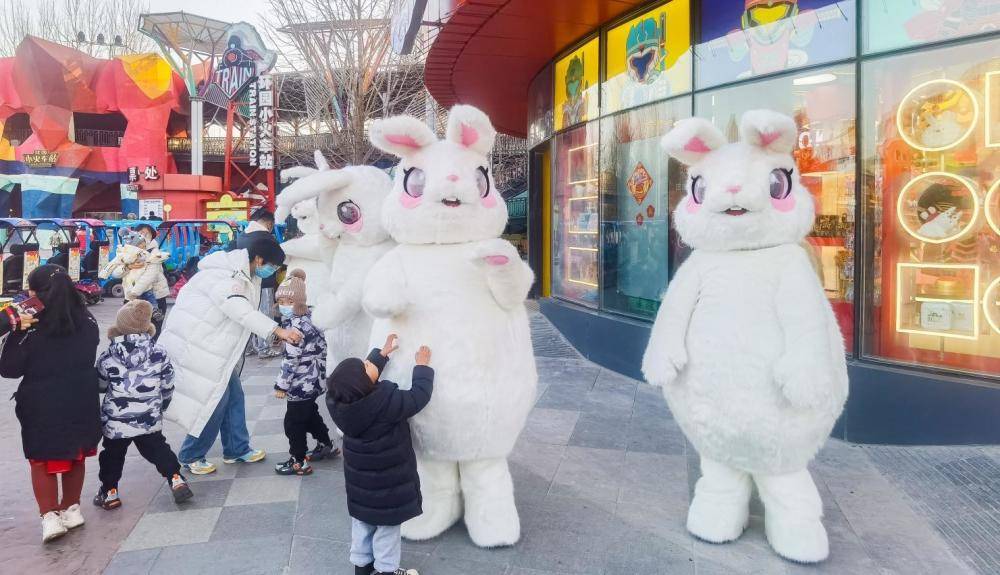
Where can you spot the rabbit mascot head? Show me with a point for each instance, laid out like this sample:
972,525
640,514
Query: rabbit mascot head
348,202
444,192
745,344
740,196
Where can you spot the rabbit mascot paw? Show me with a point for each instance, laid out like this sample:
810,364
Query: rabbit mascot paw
454,285
312,252
745,344
348,207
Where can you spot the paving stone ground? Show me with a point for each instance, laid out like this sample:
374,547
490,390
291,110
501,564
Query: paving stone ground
603,477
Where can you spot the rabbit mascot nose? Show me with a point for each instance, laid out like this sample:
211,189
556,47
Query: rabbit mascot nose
755,379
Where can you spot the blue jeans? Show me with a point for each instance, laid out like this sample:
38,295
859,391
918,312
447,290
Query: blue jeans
380,544
228,420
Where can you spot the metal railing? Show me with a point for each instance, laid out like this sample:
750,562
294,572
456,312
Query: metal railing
215,147
99,138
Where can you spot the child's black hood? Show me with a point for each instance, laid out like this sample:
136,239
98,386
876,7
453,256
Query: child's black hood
357,417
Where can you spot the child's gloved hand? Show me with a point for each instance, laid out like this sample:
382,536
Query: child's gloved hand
423,355
391,345
280,394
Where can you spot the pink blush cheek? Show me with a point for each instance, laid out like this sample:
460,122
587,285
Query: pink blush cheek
785,204
408,201
490,201
692,207
355,227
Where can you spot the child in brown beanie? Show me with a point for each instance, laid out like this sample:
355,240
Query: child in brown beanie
139,379
303,372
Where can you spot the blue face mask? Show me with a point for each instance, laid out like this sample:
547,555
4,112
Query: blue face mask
286,310
265,271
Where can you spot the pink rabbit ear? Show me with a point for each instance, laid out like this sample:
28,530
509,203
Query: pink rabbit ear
400,135
471,128
692,139
768,130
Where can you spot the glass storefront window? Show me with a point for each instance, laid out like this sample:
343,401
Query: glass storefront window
575,216
745,38
931,148
638,179
576,85
648,57
823,105
540,107
893,25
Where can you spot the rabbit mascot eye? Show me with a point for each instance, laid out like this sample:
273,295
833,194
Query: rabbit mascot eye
343,209
454,285
745,344
312,252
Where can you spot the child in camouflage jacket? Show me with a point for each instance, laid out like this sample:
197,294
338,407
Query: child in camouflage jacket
138,377
303,371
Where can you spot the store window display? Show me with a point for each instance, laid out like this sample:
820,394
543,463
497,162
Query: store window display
575,216
648,57
639,180
932,160
540,107
894,25
576,86
822,102
741,39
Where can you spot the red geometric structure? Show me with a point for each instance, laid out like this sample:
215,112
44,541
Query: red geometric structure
50,83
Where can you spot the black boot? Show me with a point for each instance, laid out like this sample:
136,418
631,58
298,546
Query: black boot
366,570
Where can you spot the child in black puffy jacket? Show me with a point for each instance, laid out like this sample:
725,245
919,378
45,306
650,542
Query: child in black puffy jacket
380,468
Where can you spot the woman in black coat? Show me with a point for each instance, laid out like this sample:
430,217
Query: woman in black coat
57,400
380,468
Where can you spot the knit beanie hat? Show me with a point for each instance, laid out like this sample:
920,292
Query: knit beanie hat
349,381
132,238
294,288
133,318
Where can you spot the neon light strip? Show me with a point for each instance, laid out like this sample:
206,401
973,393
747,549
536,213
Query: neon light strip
942,300
899,299
968,227
986,207
583,249
588,181
583,147
994,286
581,282
583,198
972,124
582,232
989,102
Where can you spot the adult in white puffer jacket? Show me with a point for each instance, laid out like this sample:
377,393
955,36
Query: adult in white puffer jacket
205,335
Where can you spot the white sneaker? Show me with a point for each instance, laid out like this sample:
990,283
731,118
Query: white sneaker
52,527
72,517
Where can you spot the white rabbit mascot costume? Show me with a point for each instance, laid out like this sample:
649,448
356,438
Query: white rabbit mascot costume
313,251
745,344
453,285
349,204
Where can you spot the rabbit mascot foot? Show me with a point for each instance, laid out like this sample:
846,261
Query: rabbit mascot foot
454,285
756,376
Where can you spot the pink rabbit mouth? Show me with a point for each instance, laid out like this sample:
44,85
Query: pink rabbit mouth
735,211
451,202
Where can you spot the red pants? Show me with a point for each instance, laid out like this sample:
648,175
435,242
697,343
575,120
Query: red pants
45,484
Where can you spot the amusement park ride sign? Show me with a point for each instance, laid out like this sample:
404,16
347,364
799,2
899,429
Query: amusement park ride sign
245,58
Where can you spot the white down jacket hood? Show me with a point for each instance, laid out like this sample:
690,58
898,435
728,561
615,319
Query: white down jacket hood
206,332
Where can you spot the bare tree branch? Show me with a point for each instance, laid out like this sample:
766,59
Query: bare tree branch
62,20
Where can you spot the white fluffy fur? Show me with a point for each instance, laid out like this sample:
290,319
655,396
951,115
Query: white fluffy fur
453,285
338,308
312,252
745,344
